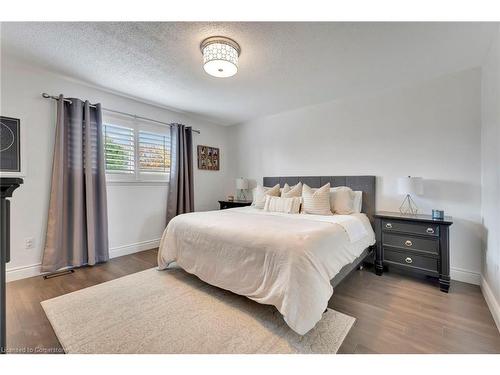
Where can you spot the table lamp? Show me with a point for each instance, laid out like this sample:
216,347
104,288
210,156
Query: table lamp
241,186
410,186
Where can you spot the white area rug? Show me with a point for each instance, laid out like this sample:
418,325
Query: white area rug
174,312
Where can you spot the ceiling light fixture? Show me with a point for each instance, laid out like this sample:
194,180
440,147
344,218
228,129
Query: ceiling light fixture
220,56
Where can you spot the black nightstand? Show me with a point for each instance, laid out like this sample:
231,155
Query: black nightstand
415,243
233,204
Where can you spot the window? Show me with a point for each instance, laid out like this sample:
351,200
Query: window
154,152
119,149
136,151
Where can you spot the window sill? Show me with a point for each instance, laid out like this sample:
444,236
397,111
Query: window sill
137,183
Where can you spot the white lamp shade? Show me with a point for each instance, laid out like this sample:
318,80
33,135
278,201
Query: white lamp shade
241,183
410,185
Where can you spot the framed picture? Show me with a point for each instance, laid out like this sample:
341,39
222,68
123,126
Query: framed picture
208,158
10,145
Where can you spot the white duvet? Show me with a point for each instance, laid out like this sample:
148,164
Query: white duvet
277,259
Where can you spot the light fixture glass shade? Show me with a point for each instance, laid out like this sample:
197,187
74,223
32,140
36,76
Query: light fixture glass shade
220,56
410,185
241,183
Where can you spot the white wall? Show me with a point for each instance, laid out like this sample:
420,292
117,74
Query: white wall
136,212
491,177
430,130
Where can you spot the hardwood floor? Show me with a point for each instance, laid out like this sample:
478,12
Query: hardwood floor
394,313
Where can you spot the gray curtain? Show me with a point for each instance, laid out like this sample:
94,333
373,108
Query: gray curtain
77,228
180,191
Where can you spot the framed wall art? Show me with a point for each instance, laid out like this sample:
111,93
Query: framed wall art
208,158
10,145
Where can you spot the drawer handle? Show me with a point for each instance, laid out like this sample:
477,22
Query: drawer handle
388,225
408,260
430,230
408,243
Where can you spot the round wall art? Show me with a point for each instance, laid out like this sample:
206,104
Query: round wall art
10,155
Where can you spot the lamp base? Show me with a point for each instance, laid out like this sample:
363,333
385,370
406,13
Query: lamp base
408,207
241,196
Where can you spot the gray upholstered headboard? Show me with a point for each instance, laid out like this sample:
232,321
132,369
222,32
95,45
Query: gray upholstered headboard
366,184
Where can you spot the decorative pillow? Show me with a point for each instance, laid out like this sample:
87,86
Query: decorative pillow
342,200
290,192
316,202
285,205
357,203
259,197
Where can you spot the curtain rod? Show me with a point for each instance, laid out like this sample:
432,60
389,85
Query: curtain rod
47,96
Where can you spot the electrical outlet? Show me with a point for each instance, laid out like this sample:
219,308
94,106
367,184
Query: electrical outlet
28,243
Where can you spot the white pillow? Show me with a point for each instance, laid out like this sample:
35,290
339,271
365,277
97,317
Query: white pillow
285,205
290,192
342,200
260,192
357,204
357,197
316,202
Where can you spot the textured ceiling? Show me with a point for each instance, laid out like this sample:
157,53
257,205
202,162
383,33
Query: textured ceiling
282,65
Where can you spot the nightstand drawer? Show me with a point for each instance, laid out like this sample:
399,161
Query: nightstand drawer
405,241
411,260
427,229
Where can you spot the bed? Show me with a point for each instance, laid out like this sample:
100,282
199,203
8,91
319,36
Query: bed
289,261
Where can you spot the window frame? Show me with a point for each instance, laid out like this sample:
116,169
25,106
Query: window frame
137,177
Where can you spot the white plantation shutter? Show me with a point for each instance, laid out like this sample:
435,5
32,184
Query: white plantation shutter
136,151
119,149
154,152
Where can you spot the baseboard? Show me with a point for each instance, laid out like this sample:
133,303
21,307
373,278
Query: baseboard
465,276
119,251
23,272
491,301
